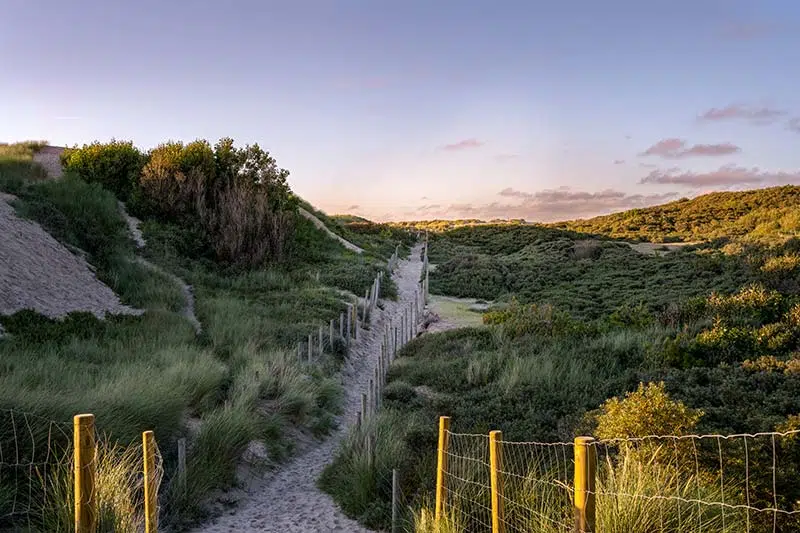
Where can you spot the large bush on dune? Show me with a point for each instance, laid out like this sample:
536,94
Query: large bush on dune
237,198
115,165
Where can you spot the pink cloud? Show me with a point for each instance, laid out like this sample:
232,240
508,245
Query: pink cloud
723,176
466,144
756,115
554,204
506,157
677,148
750,30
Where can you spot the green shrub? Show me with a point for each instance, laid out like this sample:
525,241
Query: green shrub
518,320
115,165
647,411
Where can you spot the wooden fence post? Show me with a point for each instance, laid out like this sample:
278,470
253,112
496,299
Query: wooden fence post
150,482
349,324
341,325
395,500
85,453
372,401
585,472
496,467
364,406
441,466
182,466
330,334
366,299
310,347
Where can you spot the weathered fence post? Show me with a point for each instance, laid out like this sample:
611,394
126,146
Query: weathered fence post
395,500
341,325
496,468
85,451
585,471
372,401
364,406
349,324
441,466
182,466
330,333
150,482
321,345
310,347
300,351
366,299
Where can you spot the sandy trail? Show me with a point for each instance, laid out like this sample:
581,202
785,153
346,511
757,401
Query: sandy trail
287,500
321,225
188,295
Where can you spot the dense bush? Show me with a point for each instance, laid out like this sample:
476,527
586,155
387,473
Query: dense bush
646,411
115,165
541,320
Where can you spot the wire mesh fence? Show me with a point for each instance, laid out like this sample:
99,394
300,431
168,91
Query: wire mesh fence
659,483
37,478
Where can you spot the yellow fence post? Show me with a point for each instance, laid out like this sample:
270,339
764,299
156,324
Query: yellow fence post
585,473
441,468
496,465
150,482
85,453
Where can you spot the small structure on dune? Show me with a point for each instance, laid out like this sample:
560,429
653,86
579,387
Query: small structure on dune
50,158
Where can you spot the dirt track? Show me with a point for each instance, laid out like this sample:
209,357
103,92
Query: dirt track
288,500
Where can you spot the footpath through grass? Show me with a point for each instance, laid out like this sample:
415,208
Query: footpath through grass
237,383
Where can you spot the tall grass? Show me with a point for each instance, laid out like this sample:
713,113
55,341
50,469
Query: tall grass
120,491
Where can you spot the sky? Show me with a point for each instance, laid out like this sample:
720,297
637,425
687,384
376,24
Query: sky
422,109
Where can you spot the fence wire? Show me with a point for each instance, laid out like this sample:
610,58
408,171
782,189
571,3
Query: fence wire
37,476
659,483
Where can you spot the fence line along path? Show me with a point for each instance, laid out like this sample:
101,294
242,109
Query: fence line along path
288,500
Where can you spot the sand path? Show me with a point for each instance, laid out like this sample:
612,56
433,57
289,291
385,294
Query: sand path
287,500
321,225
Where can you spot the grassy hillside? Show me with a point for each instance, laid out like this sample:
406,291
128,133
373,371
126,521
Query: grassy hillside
238,382
772,213
580,318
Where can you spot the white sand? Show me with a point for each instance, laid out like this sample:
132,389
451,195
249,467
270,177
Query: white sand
37,272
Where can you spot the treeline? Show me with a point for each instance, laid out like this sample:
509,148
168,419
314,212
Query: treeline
234,200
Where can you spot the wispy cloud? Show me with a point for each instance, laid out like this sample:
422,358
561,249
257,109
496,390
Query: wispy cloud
365,83
547,205
619,161
505,157
794,125
754,115
353,207
67,117
724,175
677,149
466,144
745,31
